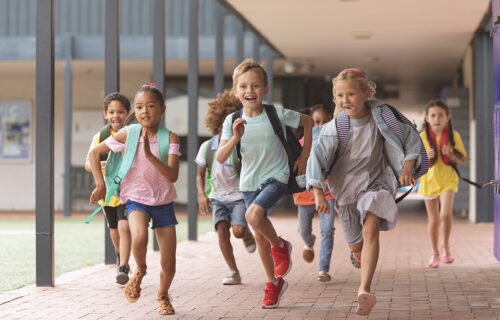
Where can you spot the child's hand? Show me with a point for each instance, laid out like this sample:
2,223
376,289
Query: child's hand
203,203
447,151
322,205
432,153
406,178
103,165
99,193
239,128
300,164
147,149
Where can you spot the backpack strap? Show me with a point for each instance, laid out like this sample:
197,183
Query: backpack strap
103,134
272,115
209,156
163,138
236,162
342,126
113,183
236,115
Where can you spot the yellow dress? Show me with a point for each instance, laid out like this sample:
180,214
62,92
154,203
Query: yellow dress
114,201
440,176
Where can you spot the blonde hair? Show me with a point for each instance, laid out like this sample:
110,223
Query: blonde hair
357,75
245,66
218,109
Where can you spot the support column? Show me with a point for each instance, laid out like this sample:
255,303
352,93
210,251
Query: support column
44,143
219,13
240,42
256,48
158,60
111,84
192,148
68,111
269,56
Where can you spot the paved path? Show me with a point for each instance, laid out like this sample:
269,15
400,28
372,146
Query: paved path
405,289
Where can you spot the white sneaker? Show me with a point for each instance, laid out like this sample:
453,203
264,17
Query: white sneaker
249,241
232,278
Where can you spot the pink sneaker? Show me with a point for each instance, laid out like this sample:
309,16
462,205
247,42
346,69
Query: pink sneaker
272,294
282,259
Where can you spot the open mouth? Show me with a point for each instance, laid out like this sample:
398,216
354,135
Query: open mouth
251,99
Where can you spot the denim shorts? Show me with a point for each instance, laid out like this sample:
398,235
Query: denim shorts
163,215
266,195
232,211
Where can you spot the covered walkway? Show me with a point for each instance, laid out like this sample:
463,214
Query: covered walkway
405,289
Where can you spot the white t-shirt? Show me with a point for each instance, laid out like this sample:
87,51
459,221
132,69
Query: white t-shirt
225,183
263,155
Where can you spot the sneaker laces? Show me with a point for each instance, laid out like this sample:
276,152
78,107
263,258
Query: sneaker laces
279,253
269,292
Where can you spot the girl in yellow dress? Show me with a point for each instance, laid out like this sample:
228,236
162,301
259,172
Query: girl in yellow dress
445,149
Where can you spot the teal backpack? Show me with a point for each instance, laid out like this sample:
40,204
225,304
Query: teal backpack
210,158
117,166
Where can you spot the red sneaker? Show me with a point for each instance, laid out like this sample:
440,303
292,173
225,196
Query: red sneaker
282,259
272,294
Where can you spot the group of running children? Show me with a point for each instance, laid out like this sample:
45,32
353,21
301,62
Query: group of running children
354,167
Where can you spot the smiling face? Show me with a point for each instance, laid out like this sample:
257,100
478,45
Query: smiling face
116,114
148,109
250,89
350,97
437,118
320,117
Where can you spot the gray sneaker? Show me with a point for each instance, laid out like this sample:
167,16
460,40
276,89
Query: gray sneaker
232,278
249,241
122,274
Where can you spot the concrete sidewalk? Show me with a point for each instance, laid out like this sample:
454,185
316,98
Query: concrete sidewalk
467,289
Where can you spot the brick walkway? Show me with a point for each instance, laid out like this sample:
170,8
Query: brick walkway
466,289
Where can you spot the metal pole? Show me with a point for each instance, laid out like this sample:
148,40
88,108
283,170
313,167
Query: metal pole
45,143
111,84
219,13
240,42
192,147
256,48
158,59
68,87
270,75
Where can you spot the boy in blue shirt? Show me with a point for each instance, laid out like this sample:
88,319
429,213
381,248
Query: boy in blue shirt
265,170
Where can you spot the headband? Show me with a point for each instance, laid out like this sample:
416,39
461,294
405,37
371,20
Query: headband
356,72
149,85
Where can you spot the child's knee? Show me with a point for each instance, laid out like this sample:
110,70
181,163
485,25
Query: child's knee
239,231
123,227
254,215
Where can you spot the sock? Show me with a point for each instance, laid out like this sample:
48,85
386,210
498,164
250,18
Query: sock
282,245
276,282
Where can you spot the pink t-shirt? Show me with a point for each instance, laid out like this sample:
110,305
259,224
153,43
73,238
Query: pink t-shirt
143,183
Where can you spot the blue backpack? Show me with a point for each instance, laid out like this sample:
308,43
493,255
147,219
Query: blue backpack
117,167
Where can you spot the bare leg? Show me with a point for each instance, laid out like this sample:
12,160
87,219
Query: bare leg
255,216
432,208
125,242
167,242
447,198
138,224
225,244
115,238
265,256
369,255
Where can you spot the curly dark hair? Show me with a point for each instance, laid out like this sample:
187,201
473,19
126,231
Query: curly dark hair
118,97
218,109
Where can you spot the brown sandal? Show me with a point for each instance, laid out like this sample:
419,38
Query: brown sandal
166,307
133,287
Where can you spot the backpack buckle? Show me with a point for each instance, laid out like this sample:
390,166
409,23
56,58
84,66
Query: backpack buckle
117,180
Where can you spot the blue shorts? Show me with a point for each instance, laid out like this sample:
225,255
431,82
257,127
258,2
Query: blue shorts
163,215
266,195
232,211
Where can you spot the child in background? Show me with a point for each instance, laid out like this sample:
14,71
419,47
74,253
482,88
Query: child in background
265,170
365,174
440,183
116,110
226,199
304,201
147,190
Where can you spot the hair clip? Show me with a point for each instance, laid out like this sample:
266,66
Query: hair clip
149,85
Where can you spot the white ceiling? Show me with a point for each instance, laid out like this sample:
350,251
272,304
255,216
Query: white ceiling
412,40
